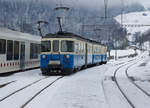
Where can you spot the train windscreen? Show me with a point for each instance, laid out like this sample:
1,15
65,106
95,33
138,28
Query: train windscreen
45,46
55,45
67,46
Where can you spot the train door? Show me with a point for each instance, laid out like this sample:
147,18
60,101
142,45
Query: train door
22,56
86,54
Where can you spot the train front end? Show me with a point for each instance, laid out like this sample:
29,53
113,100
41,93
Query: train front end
57,56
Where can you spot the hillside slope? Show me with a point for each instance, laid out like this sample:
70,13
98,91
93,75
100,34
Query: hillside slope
135,18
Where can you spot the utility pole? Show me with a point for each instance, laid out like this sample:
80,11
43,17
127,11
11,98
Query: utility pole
122,9
149,48
105,18
105,6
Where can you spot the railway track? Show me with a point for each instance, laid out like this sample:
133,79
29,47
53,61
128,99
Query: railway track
7,83
31,86
131,80
39,92
121,64
2,99
120,89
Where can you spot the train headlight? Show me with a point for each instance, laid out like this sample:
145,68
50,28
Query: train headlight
44,56
67,56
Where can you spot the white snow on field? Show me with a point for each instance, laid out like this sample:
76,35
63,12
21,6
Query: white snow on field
121,53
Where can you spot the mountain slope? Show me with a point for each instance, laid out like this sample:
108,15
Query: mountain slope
135,22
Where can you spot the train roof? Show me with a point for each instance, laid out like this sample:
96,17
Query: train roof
7,33
69,35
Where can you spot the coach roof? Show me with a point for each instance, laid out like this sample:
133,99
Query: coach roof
69,35
7,33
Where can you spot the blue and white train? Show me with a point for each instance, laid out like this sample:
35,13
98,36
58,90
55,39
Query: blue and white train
66,52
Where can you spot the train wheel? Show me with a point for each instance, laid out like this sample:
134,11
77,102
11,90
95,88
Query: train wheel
105,62
67,71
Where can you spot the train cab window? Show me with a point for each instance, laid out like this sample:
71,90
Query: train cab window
2,46
67,46
16,50
9,50
55,45
45,46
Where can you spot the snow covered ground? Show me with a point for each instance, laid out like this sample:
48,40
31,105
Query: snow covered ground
121,53
90,88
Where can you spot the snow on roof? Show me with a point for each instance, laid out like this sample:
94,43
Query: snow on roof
18,35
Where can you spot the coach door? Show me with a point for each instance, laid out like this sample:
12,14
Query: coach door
22,56
86,54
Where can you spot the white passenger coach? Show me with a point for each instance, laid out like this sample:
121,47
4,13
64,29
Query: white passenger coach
18,51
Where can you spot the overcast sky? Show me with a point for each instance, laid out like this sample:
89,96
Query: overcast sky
97,3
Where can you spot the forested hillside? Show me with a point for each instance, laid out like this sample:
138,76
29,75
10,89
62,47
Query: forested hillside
23,16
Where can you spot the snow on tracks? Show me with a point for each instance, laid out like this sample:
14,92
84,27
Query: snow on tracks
134,94
23,97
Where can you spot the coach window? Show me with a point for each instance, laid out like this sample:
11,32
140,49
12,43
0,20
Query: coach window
67,46
9,50
33,51
39,48
55,45
2,46
80,48
76,48
16,50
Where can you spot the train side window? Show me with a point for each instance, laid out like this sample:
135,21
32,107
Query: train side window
82,46
77,48
33,51
16,50
39,48
67,46
9,50
2,46
55,45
